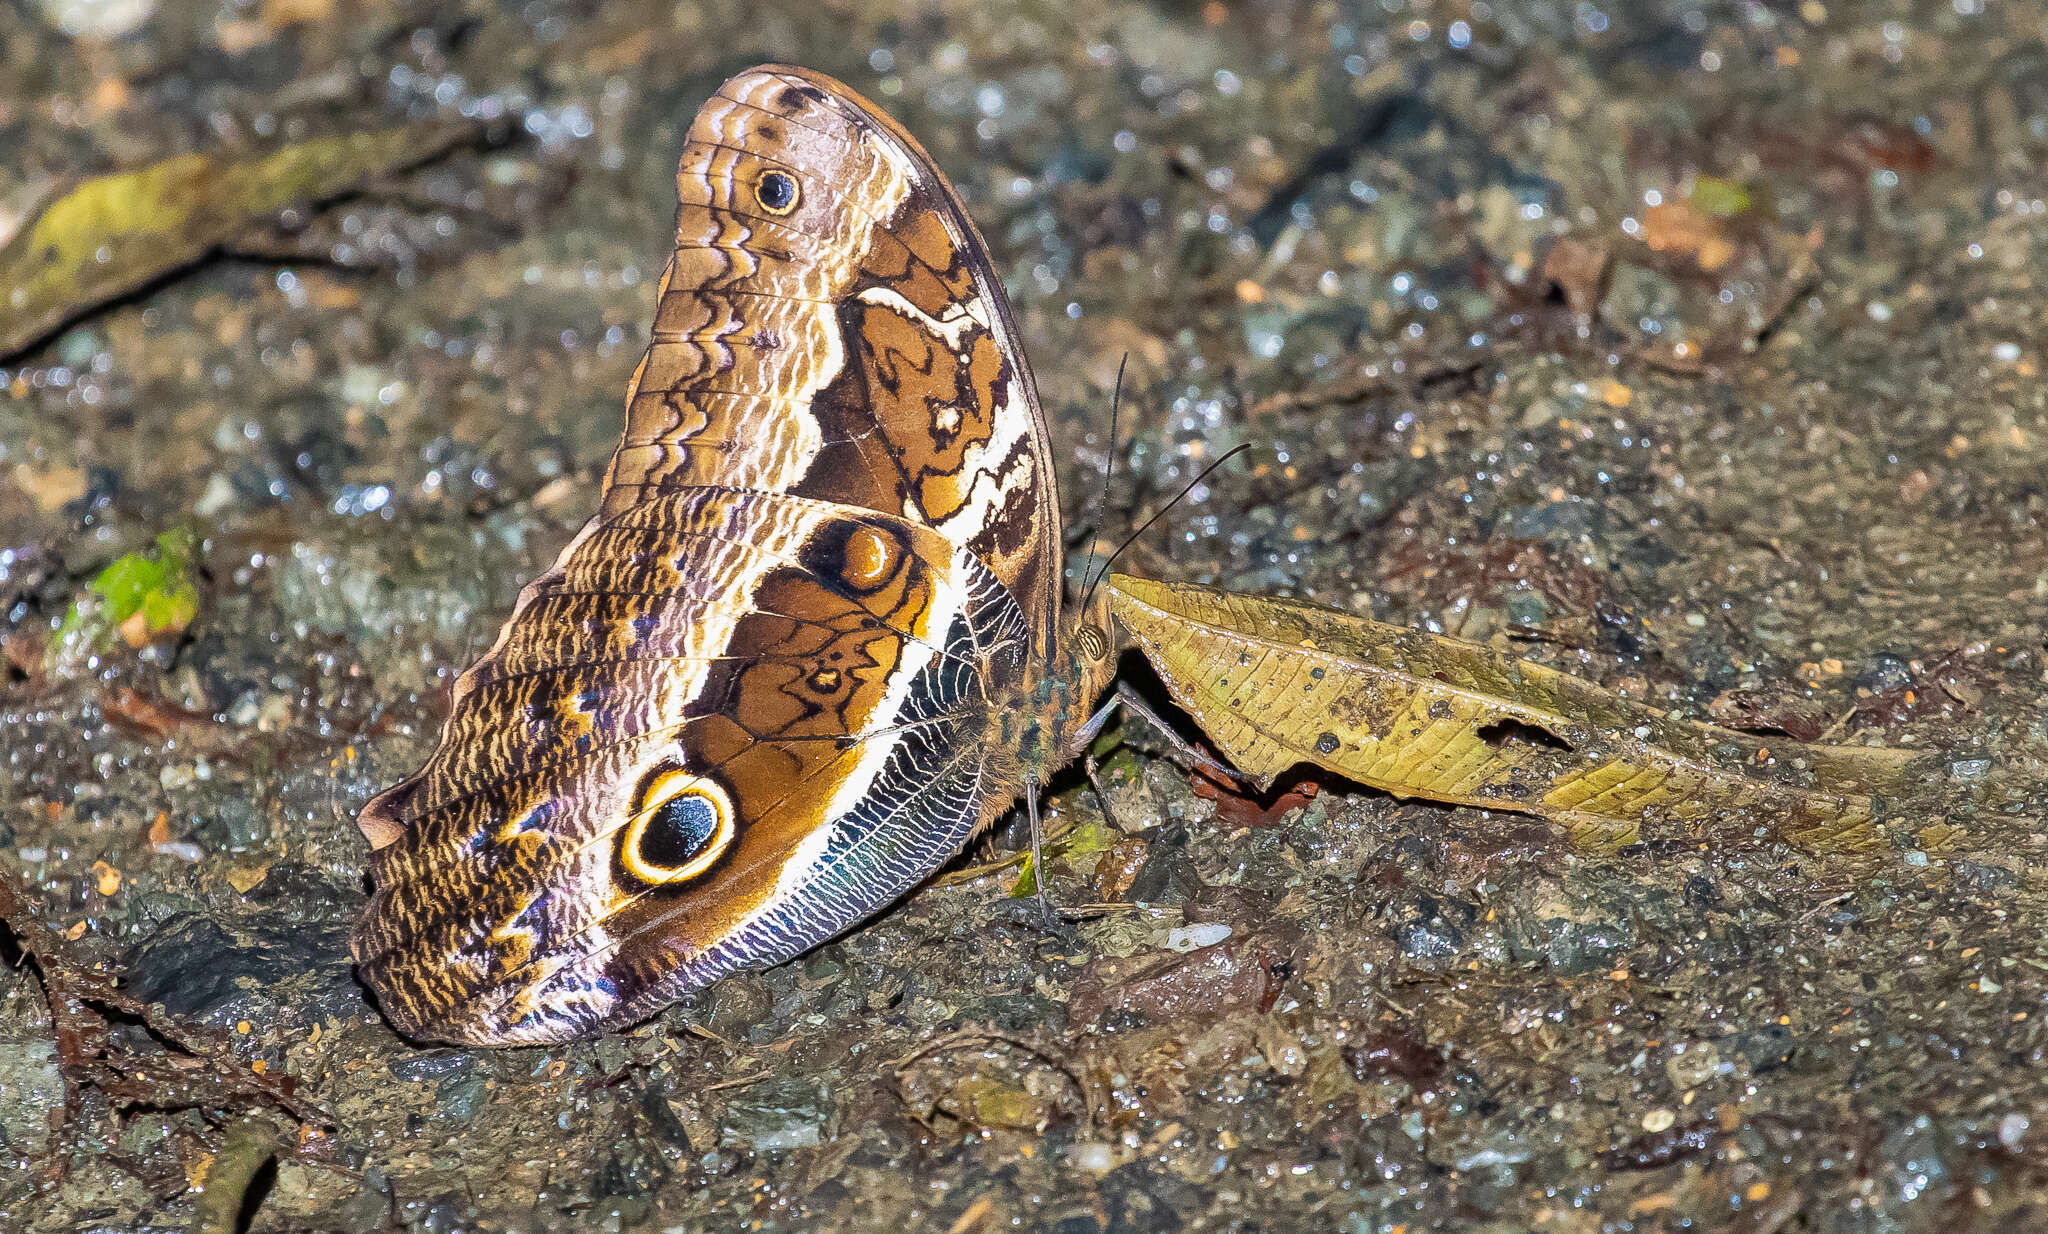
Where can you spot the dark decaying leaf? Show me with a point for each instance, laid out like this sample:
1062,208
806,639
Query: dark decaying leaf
111,235
185,1067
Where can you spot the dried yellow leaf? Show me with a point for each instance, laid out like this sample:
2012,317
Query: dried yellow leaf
1276,683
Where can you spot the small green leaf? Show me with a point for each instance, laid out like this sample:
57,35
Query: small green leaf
1089,838
1085,839
142,595
1720,198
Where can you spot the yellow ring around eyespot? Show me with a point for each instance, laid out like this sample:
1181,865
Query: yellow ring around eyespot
796,195
667,787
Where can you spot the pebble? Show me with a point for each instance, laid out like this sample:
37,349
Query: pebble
30,1087
98,19
1693,1065
1196,937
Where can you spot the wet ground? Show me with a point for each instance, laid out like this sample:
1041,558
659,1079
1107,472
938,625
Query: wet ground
1696,348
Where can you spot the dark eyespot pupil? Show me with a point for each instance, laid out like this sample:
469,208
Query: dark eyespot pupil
778,191
679,830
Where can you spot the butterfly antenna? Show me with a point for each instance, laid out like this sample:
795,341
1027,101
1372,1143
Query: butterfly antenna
1157,515
1116,397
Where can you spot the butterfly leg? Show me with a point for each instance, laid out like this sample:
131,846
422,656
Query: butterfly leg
1050,919
1127,699
1130,701
1037,862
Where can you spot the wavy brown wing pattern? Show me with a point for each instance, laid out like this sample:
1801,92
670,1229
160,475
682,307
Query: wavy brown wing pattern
754,700
830,326
725,727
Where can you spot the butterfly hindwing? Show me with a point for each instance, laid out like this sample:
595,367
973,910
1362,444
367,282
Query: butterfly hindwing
812,711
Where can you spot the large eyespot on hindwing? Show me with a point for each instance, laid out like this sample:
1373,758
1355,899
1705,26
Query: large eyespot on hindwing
777,193
682,823
855,558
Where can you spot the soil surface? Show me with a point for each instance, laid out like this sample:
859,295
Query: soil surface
1695,348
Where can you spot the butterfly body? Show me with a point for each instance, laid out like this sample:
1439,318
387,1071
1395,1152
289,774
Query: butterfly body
809,645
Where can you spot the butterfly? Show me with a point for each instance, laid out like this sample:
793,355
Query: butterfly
811,642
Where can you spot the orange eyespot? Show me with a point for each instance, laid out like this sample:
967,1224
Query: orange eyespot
777,193
869,559
682,824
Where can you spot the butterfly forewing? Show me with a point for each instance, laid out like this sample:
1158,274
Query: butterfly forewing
842,338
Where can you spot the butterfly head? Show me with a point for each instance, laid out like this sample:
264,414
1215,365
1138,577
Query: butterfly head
1062,698
1090,648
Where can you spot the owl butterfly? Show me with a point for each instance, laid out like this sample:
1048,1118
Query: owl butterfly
811,642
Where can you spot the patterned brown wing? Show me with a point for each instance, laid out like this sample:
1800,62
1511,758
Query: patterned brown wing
776,680
724,728
829,325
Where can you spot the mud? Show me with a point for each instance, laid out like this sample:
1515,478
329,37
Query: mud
1695,348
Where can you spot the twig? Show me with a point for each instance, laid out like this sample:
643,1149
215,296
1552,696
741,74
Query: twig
248,1148
1841,722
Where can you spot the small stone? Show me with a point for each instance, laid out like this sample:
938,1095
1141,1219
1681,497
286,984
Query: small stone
464,1099
1195,937
30,1087
2012,1129
1092,1156
98,19
217,499
1659,1119
776,1116
612,1055
260,967
1433,939
1527,608
433,1067
1983,877
245,825
1884,672
245,710
736,1004
276,715
1692,1065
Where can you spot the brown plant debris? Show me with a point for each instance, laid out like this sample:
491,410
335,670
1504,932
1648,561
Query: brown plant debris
191,1069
